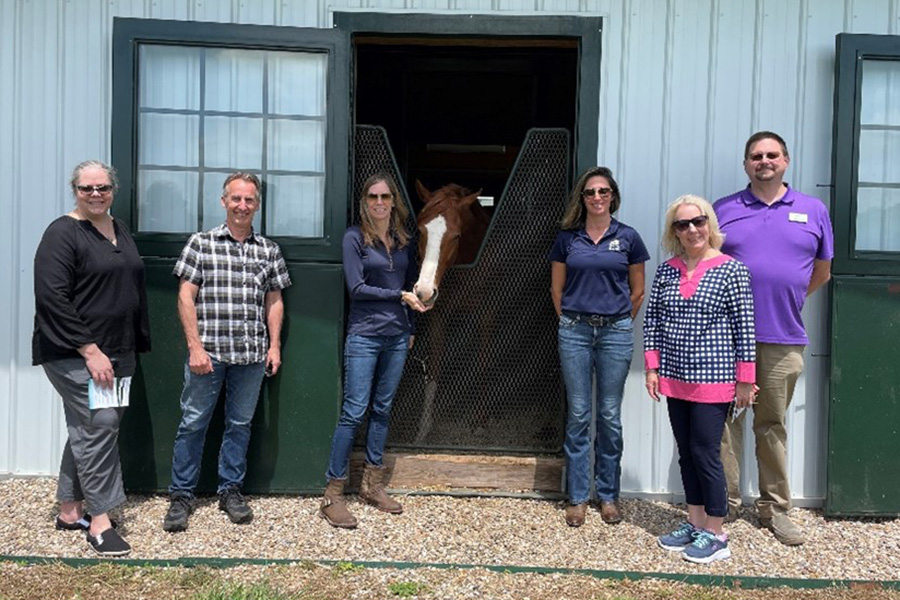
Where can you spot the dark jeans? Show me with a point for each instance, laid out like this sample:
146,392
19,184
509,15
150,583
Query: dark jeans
698,433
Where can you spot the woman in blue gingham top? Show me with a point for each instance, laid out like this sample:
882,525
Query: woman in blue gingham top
700,352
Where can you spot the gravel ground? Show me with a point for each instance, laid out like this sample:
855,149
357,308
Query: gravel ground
441,529
304,581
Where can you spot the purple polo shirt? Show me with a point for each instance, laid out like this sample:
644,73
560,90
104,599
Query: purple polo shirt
779,244
597,274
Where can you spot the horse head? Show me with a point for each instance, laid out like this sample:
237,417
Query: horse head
451,225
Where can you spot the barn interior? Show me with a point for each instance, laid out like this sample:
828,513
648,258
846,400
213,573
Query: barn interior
456,110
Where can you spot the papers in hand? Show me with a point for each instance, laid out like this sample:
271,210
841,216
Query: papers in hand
109,397
736,411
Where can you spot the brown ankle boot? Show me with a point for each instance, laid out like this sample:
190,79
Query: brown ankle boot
334,506
372,490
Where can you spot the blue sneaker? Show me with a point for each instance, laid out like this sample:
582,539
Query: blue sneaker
706,548
679,539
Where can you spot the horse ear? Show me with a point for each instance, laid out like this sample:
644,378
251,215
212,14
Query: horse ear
423,192
470,200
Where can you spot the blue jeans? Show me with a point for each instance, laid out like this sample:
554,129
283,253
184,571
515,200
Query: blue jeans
373,366
198,401
583,351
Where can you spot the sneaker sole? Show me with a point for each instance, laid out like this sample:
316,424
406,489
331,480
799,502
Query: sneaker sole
705,560
174,527
671,548
242,520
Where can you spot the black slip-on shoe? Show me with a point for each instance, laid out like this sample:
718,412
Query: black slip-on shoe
109,543
82,524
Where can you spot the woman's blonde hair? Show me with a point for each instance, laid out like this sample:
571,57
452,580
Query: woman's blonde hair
670,241
399,213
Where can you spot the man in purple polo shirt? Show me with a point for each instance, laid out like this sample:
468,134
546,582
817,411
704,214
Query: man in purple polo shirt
785,239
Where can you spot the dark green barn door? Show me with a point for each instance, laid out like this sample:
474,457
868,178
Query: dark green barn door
864,419
193,102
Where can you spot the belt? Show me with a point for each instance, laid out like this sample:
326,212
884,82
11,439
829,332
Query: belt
595,320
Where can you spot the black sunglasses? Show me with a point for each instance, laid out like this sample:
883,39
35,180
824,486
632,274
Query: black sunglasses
591,192
684,224
90,189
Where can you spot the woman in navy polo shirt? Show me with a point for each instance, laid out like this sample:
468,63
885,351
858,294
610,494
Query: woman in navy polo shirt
597,285
379,265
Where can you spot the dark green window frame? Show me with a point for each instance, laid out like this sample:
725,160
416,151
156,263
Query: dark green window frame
130,34
851,51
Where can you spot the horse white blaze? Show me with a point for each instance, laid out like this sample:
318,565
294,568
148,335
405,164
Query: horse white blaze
436,229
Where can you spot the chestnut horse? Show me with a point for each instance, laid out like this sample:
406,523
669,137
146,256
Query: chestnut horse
452,225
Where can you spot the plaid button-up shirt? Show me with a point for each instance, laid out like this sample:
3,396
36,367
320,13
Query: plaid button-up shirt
233,278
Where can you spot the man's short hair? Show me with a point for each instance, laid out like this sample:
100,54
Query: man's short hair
765,135
243,176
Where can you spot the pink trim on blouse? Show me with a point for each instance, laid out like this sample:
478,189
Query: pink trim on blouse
651,359
697,392
746,372
686,286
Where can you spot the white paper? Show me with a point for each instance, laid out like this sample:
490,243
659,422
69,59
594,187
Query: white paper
111,397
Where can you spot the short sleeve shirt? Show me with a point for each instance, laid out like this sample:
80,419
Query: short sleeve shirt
597,274
779,243
233,278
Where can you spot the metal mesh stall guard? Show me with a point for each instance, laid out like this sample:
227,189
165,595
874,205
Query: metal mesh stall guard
373,154
484,372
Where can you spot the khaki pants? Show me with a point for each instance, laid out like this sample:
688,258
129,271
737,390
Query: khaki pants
778,366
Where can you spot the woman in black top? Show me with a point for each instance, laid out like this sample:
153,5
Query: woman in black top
90,321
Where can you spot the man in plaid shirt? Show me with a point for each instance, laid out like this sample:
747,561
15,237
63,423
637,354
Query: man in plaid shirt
229,303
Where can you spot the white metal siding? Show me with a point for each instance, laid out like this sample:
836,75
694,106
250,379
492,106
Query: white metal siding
683,83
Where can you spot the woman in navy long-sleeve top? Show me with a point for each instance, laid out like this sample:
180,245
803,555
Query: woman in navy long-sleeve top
379,266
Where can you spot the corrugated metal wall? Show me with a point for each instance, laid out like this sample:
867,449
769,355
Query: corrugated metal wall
683,83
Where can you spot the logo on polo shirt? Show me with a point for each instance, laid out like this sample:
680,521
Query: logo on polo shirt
615,246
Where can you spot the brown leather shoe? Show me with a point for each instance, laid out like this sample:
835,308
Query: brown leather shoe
575,514
610,513
371,490
334,506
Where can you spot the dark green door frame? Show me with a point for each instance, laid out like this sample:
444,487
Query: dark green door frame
585,30
864,407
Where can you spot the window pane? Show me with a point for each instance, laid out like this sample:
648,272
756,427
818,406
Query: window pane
167,201
297,83
878,219
295,206
231,142
234,80
879,156
170,77
880,93
296,145
213,211
170,140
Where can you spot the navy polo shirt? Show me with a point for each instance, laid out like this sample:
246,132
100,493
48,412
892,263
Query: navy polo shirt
597,274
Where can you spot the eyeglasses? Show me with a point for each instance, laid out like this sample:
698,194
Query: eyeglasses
759,156
375,197
684,224
590,192
90,189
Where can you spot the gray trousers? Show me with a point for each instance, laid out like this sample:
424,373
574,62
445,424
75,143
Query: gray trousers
90,469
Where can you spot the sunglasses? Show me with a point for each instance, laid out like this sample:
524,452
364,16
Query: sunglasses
374,197
684,224
759,156
90,189
591,192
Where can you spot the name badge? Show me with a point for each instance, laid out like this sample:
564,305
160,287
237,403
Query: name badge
798,217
